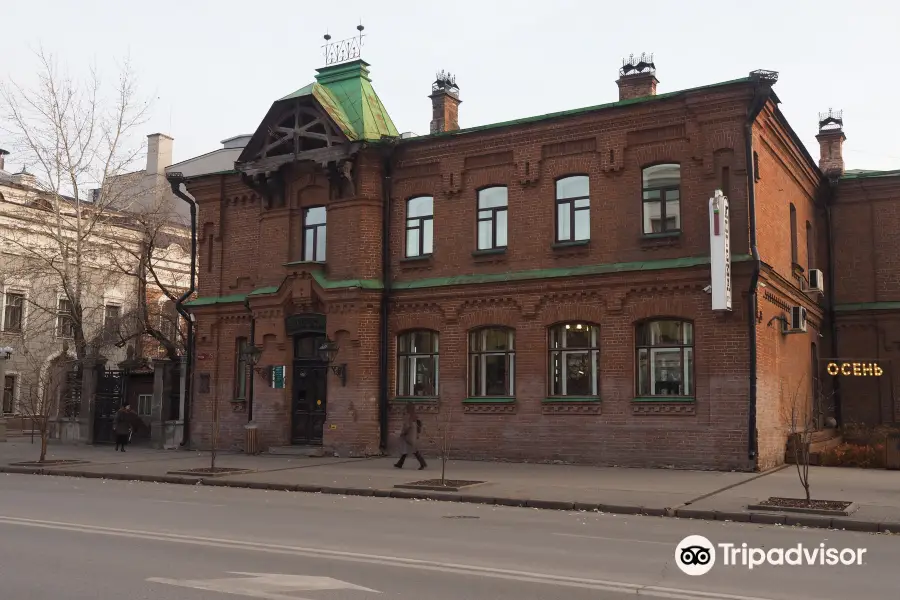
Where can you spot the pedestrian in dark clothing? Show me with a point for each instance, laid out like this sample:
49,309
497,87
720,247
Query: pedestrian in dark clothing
409,437
123,424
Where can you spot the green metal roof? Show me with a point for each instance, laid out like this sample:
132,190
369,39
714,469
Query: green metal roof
346,93
865,173
576,111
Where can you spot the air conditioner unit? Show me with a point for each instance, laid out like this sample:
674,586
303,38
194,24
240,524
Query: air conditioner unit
816,281
798,319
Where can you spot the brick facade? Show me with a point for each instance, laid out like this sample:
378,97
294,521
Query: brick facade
251,264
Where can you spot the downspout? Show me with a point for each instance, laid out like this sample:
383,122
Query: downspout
175,181
760,97
829,232
252,342
386,190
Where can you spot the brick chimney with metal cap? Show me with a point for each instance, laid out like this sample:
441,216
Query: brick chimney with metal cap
637,77
831,142
444,103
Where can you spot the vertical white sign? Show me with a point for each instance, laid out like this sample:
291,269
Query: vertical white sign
720,251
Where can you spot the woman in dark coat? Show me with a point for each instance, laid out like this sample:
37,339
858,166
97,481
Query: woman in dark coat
409,437
123,423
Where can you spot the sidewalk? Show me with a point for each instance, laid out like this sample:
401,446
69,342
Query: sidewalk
656,492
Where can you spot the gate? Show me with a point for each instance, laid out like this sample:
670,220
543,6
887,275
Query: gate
107,400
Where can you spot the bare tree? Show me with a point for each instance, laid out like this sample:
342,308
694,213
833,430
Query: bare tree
799,418
75,139
46,388
442,438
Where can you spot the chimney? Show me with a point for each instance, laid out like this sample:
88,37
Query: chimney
2,160
444,103
159,153
831,141
637,77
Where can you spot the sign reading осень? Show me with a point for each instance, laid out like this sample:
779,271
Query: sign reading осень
854,369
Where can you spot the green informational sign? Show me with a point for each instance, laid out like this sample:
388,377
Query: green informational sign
278,377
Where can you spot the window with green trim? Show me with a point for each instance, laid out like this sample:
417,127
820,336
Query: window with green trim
665,358
417,363
574,359
492,362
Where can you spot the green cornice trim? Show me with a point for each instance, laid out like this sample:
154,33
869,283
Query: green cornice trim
686,399
860,306
374,284
567,399
490,400
650,265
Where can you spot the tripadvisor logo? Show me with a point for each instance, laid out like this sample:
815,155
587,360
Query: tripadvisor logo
696,555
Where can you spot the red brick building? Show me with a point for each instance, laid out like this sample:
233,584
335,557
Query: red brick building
543,285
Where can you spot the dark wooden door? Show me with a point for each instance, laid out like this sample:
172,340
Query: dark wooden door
308,402
107,400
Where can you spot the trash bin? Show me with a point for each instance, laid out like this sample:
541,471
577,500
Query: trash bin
892,451
251,445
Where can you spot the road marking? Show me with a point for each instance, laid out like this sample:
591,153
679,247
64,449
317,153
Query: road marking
186,502
264,585
648,591
612,539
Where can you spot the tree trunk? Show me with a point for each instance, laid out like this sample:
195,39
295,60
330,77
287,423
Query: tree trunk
43,445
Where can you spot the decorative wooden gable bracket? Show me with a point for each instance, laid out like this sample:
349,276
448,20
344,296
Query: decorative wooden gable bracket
299,133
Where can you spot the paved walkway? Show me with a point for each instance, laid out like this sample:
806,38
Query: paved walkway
660,492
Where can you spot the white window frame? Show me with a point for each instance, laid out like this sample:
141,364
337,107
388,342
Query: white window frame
14,290
17,391
149,399
58,313
592,352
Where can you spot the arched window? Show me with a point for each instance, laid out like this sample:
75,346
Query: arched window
662,198
417,363
492,362
573,208
419,226
665,358
574,359
492,212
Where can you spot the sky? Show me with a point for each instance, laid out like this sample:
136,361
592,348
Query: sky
213,68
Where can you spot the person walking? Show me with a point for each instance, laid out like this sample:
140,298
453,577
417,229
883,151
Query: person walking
123,423
409,437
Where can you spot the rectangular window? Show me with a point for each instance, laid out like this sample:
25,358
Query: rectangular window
665,357
314,234
573,209
662,198
492,208
144,405
574,359
794,259
417,364
13,312
492,362
112,316
419,226
9,394
726,182
65,324
240,375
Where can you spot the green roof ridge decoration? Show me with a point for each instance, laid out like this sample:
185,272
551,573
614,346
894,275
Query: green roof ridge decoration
345,92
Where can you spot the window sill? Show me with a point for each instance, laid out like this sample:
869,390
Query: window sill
490,405
663,405
489,251
571,405
416,399
420,258
297,263
570,244
655,240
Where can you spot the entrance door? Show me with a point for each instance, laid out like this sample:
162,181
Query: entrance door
310,391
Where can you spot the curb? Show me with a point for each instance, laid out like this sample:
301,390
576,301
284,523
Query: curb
803,520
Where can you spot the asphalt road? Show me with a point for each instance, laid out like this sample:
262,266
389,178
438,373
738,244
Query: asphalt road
87,539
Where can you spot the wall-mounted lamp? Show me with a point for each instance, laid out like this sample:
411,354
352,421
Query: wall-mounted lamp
781,318
253,354
327,353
